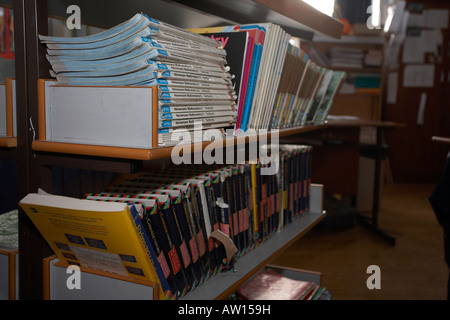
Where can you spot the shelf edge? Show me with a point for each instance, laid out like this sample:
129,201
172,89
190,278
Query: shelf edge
159,152
8,142
307,15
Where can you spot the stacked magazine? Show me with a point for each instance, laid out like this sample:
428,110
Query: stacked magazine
341,57
190,71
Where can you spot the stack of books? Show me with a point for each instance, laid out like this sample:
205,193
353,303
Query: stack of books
341,57
270,285
373,58
190,70
367,83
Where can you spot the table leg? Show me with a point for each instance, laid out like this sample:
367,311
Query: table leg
373,224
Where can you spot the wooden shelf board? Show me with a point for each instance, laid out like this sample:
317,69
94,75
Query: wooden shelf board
296,17
155,153
8,142
223,284
364,123
357,70
305,14
350,40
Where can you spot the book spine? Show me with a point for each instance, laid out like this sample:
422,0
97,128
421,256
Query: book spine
192,115
190,122
157,272
170,251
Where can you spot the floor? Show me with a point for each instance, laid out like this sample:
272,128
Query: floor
413,269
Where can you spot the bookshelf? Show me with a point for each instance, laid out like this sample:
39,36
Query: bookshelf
296,17
218,287
154,153
35,157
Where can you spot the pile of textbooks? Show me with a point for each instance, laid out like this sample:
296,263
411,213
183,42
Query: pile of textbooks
341,57
186,206
190,70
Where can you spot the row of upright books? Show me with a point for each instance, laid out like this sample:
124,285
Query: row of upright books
245,77
178,227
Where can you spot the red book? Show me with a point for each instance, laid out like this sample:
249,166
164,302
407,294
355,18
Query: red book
269,285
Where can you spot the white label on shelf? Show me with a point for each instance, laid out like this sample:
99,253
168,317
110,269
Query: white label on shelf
99,260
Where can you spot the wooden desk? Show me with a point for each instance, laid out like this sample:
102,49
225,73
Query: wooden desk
380,126
340,142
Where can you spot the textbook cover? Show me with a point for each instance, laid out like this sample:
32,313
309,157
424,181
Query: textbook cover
158,222
235,43
327,102
105,236
256,36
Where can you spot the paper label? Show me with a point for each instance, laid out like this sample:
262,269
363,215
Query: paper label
201,243
99,260
176,264
164,266
185,254
194,249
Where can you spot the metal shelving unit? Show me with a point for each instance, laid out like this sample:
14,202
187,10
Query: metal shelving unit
35,159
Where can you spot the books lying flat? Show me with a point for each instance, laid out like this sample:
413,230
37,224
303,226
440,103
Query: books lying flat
269,285
188,69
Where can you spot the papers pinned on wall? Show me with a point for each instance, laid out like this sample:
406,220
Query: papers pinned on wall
436,18
416,47
413,50
420,75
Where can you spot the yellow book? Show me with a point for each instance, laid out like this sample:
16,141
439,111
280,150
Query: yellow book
105,236
207,30
255,204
